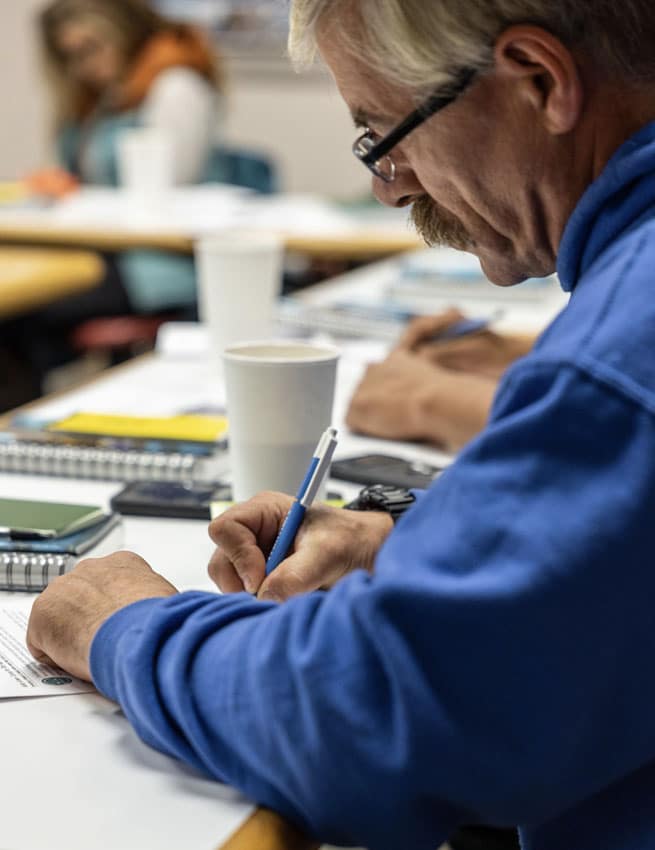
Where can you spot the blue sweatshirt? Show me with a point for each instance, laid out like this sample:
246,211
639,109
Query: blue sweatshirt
499,666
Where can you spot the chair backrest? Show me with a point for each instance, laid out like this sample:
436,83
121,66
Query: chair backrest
246,168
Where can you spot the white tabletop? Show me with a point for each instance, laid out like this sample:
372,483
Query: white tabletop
74,774
77,776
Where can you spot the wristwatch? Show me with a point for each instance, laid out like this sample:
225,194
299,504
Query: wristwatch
383,497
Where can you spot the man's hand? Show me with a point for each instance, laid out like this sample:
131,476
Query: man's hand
407,397
486,353
69,612
330,543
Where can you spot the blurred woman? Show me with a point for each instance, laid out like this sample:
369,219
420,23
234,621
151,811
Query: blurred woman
117,65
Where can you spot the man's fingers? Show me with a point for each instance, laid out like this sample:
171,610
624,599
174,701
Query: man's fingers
297,574
482,354
421,330
244,536
41,627
224,575
240,550
39,655
469,349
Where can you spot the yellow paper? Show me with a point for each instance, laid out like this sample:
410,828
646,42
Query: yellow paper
202,429
11,193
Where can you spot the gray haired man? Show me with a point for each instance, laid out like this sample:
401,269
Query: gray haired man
489,659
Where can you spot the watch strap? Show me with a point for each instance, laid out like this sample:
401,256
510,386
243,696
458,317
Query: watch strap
381,497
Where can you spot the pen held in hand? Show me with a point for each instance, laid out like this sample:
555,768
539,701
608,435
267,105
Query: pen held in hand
464,327
314,478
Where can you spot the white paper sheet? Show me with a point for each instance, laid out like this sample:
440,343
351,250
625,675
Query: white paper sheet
20,675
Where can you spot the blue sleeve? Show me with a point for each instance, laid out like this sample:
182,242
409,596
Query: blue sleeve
506,631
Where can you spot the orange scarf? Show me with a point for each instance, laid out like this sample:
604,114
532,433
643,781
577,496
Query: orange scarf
183,47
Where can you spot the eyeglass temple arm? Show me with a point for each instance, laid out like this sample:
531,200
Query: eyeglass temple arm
418,116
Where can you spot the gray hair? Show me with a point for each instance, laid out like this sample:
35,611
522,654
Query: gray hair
420,44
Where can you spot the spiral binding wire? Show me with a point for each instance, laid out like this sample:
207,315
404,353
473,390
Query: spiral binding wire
98,463
31,572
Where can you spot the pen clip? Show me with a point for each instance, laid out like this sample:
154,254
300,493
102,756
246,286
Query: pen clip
320,471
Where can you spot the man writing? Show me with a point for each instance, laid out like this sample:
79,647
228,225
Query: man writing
488,659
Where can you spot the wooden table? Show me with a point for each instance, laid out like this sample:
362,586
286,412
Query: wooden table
266,830
356,245
32,278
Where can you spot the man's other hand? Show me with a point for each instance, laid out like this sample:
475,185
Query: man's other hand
69,612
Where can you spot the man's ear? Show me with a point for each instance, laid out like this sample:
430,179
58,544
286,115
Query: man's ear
547,73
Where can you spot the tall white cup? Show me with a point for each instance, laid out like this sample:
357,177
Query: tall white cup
146,166
239,280
280,397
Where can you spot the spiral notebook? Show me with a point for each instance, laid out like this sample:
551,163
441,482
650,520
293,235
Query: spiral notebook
119,448
30,565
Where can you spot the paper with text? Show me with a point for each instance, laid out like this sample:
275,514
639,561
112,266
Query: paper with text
20,674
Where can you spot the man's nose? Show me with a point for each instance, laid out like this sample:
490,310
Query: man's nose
401,192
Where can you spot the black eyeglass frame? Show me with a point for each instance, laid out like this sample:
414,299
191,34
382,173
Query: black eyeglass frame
372,157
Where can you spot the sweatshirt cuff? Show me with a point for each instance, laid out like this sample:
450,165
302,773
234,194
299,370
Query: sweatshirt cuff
104,646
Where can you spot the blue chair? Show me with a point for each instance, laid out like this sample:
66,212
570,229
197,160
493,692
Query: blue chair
240,167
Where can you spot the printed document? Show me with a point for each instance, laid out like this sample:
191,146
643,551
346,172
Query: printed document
20,674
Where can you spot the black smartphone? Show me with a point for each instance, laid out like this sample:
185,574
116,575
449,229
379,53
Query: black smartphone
169,499
385,469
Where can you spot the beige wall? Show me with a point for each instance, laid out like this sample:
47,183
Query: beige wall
300,120
23,102
304,121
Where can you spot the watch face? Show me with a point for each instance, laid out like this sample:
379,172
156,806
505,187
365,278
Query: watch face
393,500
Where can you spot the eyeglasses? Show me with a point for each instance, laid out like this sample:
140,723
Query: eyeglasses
374,153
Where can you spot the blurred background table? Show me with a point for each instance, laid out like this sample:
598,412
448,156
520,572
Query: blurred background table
107,220
32,278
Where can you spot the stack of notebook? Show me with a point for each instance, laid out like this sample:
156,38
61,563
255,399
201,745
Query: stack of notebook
119,448
42,540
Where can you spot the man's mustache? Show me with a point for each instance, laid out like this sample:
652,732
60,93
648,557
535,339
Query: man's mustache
438,227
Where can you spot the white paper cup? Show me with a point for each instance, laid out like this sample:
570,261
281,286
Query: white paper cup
280,397
239,280
146,165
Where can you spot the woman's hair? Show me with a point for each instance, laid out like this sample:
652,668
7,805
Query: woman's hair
418,44
134,23
131,23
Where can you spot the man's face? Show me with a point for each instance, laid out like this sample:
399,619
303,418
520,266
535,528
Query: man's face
481,174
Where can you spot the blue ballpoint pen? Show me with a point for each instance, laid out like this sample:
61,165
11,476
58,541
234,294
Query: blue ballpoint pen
465,327
318,469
